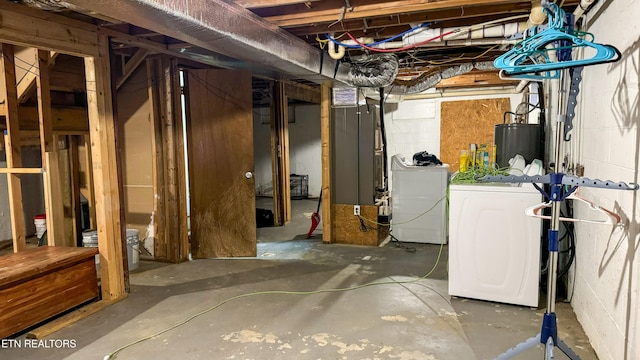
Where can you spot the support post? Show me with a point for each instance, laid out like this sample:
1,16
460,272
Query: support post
105,170
325,134
170,207
280,155
12,147
54,204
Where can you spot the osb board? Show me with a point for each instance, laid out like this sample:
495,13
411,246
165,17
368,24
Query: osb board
346,226
468,122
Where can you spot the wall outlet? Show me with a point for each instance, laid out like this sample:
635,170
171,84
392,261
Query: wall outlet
356,210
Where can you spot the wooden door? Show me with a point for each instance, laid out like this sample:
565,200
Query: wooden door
220,150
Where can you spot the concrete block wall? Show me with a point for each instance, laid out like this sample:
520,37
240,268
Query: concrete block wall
414,125
606,298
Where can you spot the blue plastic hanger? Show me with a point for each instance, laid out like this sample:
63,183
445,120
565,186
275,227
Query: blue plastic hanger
531,55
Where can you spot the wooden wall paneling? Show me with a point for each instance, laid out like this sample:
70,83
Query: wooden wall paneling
325,139
106,180
468,122
51,164
12,147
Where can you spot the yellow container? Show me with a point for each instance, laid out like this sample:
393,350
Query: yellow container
464,160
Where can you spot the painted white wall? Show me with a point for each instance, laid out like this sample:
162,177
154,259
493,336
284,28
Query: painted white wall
414,125
606,299
304,147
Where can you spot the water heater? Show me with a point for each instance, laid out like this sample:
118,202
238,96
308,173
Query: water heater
524,139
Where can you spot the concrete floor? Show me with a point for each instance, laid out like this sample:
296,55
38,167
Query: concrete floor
204,310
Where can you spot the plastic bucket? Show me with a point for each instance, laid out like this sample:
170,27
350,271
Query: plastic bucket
40,221
133,248
90,239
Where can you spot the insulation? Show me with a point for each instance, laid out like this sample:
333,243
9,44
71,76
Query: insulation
428,80
49,5
374,71
484,65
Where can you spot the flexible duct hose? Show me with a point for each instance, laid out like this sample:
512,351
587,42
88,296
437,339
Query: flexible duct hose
375,71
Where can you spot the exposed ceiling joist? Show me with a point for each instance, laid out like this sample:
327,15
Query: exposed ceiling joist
256,4
335,11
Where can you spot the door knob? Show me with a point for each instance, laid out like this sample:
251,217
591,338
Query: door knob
248,175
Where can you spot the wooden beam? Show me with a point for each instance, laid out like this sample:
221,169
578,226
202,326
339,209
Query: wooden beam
132,65
90,193
371,25
74,167
255,4
54,204
64,120
21,171
106,179
172,242
12,146
154,74
28,82
302,92
475,79
280,155
325,140
29,27
333,11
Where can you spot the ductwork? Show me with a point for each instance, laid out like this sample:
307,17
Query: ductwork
222,27
374,71
427,81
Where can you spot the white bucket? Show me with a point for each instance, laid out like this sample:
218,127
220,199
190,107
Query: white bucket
133,248
40,222
90,239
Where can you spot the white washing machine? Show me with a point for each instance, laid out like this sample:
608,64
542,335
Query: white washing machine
494,248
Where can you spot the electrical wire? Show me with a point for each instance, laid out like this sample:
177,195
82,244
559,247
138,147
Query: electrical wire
462,57
334,39
405,222
114,353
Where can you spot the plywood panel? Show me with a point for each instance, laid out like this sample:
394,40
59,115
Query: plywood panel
220,145
468,122
347,227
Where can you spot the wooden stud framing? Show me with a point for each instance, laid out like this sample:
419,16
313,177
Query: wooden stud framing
325,136
131,66
106,180
170,208
12,146
54,204
280,155
90,194
67,120
28,82
74,167
25,26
